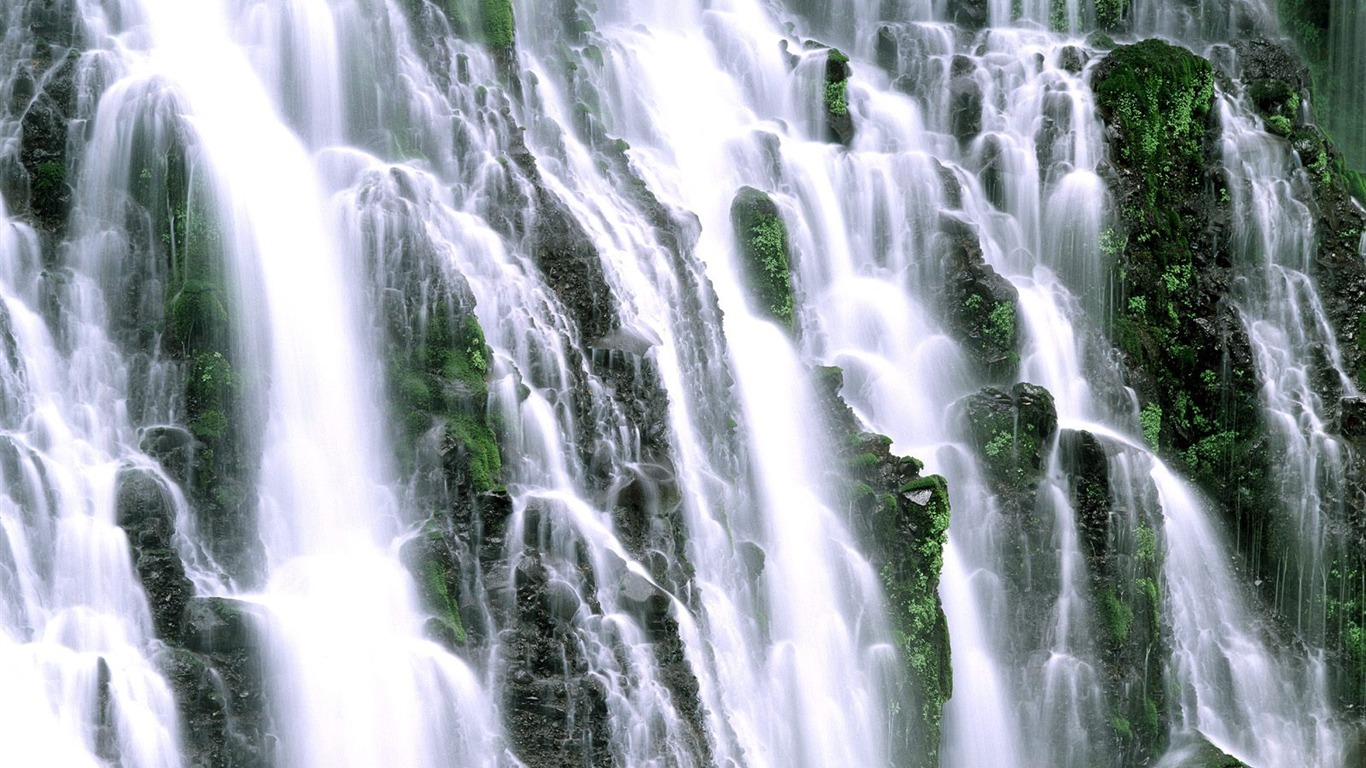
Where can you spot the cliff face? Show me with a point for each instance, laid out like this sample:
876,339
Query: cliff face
579,603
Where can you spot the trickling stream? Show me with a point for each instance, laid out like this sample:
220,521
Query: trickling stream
387,382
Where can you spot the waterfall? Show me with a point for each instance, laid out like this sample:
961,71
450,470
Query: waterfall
520,384
1343,74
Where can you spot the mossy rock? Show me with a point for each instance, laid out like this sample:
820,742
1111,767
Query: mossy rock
433,560
1159,97
50,194
1112,15
442,380
1011,432
982,307
211,396
765,252
839,123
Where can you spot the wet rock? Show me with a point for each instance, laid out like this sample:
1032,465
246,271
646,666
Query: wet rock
222,707
1011,431
965,105
565,254
1084,460
1072,59
1353,418
902,518
43,135
144,510
209,656
980,304
556,711
219,625
172,447
969,14
1266,61
886,48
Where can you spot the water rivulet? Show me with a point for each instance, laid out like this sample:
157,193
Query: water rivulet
701,383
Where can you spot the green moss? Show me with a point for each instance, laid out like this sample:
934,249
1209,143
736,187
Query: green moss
1001,324
1116,617
438,597
196,319
765,252
442,380
911,584
1145,544
481,446
210,394
837,97
499,29
49,191
1150,418
999,445
839,123
1122,728
1110,13
1159,96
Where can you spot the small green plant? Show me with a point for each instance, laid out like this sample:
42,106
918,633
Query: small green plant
837,97
1111,242
1145,544
998,446
1116,617
1001,323
1150,418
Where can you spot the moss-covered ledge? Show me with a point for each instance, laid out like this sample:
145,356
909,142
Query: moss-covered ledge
902,518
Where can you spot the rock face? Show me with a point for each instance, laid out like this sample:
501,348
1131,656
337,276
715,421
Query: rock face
1278,84
144,511
1187,351
902,518
43,138
210,658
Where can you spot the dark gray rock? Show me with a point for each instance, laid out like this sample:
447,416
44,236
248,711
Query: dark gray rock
144,510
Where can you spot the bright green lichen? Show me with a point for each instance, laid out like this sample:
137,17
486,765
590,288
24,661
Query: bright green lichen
1001,324
837,97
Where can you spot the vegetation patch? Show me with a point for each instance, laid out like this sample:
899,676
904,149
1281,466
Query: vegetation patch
765,252
498,23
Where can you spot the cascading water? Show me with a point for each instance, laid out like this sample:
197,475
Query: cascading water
414,348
